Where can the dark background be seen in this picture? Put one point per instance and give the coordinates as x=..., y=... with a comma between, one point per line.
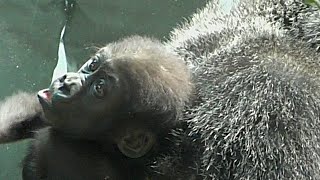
x=29, y=34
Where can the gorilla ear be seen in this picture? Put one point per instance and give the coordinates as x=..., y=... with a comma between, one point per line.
x=136, y=143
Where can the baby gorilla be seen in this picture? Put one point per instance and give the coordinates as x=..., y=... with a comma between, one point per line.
x=103, y=120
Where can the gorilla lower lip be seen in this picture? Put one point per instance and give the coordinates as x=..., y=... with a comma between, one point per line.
x=45, y=94
x=44, y=97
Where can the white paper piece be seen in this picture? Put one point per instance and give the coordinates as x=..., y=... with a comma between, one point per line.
x=62, y=64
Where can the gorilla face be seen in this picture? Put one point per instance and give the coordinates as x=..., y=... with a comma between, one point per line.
x=128, y=94
x=82, y=101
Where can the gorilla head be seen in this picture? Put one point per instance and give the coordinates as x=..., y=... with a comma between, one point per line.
x=127, y=93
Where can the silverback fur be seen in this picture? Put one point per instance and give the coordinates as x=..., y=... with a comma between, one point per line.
x=258, y=104
x=301, y=21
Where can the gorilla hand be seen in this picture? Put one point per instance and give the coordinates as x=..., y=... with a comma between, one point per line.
x=20, y=115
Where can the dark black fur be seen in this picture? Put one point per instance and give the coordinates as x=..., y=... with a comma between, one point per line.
x=146, y=87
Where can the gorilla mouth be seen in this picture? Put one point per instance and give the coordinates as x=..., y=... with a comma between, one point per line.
x=45, y=96
x=50, y=95
x=59, y=91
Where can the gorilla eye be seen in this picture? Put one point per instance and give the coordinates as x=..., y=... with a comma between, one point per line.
x=99, y=88
x=95, y=63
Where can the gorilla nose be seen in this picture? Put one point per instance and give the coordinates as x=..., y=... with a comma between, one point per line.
x=71, y=83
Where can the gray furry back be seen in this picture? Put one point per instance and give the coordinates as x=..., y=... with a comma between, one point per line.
x=259, y=106
x=301, y=21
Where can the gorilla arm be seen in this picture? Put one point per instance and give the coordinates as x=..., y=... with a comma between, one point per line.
x=20, y=115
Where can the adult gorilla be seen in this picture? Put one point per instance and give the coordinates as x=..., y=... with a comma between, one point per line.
x=255, y=114
x=258, y=90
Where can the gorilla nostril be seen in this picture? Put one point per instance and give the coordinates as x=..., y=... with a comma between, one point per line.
x=64, y=88
x=61, y=79
x=70, y=83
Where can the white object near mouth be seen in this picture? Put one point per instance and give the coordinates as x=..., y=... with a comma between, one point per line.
x=62, y=64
